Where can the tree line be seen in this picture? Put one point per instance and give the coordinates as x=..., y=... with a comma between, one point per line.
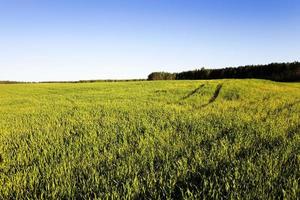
x=285, y=72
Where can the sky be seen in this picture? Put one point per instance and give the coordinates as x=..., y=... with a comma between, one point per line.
x=43, y=40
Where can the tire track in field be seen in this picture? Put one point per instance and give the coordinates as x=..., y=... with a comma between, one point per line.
x=193, y=92
x=215, y=95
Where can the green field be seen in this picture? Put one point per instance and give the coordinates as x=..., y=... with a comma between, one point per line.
x=230, y=139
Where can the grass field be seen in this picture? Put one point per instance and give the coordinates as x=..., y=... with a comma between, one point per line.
x=230, y=139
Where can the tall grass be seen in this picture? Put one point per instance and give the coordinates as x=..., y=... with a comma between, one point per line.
x=145, y=140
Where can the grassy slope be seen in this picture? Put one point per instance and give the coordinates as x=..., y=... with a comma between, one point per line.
x=164, y=139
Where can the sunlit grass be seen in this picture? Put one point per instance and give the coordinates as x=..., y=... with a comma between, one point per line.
x=153, y=140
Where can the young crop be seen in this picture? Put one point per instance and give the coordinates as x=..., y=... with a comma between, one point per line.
x=220, y=139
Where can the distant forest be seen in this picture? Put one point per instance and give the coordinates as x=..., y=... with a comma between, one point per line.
x=285, y=72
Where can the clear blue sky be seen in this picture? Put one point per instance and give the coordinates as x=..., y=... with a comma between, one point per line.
x=93, y=39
